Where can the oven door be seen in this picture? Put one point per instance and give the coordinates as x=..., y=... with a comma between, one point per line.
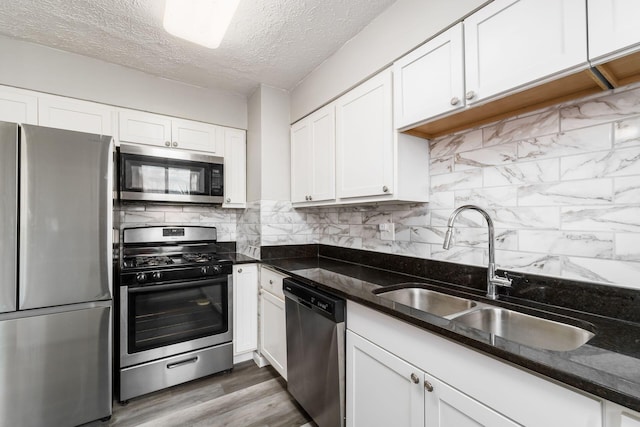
x=161, y=175
x=168, y=319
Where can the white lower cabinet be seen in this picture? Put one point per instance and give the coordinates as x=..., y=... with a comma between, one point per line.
x=401, y=375
x=384, y=390
x=245, y=308
x=273, y=328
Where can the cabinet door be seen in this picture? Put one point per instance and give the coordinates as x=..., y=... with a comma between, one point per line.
x=430, y=80
x=145, y=128
x=273, y=331
x=301, y=160
x=313, y=157
x=235, y=168
x=510, y=43
x=382, y=389
x=18, y=106
x=364, y=139
x=197, y=136
x=445, y=407
x=613, y=26
x=72, y=114
x=245, y=308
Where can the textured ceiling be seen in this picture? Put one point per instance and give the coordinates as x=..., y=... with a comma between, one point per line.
x=275, y=42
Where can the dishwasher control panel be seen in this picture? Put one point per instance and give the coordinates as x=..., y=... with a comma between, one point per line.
x=329, y=305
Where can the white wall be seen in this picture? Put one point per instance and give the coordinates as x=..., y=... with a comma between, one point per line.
x=268, y=149
x=276, y=175
x=398, y=30
x=254, y=147
x=35, y=67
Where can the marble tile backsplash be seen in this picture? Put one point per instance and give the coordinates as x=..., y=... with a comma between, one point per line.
x=561, y=184
x=225, y=220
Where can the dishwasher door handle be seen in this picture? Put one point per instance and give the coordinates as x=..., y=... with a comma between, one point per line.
x=305, y=303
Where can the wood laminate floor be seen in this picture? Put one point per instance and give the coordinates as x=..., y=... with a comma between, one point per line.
x=247, y=397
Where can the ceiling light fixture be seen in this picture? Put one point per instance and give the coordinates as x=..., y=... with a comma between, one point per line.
x=203, y=22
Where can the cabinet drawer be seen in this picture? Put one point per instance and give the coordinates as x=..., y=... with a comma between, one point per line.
x=272, y=282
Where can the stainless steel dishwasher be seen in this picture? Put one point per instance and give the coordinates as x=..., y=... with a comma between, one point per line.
x=315, y=352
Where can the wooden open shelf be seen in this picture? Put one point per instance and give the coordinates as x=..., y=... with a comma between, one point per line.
x=553, y=92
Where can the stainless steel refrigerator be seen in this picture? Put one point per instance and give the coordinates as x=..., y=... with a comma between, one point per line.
x=55, y=276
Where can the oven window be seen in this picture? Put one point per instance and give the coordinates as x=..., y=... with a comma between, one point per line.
x=161, y=318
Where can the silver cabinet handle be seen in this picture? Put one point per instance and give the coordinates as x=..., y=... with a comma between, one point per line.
x=470, y=95
x=228, y=200
x=415, y=379
x=455, y=100
x=167, y=143
x=310, y=198
x=428, y=386
x=385, y=189
x=239, y=270
x=175, y=143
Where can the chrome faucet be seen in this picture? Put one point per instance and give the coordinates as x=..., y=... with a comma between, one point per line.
x=493, y=281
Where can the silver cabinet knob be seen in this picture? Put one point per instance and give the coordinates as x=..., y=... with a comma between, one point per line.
x=167, y=144
x=455, y=100
x=385, y=189
x=428, y=386
x=228, y=200
x=175, y=143
x=470, y=95
x=415, y=379
x=239, y=270
x=310, y=198
x=271, y=282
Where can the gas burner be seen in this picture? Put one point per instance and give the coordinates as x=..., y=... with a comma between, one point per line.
x=197, y=257
x=152, y=261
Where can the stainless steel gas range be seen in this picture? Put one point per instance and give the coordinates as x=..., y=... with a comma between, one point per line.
x=175, y=308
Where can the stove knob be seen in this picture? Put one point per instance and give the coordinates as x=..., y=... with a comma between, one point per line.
x=217, y=269
x=204, y=270
x=141, y=277
x=156, y=275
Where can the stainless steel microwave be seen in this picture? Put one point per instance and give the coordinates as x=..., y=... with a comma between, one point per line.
x=157, y=174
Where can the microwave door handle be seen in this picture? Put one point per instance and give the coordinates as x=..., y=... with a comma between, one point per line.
x=173, y=286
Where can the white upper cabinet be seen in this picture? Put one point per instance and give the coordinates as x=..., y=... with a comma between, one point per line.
x=313, y=157
x=513, y=43
x=235, y=168
x=613, y=27
x=154, y=129
x=195, y=136
x=430, y=80
x=364, y=139
x=18, y=106
x=145, y=128
x=73, y=114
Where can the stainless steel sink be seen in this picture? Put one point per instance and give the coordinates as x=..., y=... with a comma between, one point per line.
x=426, y=300
x=525, y=329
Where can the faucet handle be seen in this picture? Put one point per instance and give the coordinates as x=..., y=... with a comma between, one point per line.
x=502, y=281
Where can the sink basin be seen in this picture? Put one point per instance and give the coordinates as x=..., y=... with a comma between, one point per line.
x=426, y=300
x=525, y=329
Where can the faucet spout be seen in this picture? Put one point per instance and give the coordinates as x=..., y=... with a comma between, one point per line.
x=493, y=281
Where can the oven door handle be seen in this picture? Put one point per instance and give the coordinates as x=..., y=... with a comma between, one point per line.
x=182, y=285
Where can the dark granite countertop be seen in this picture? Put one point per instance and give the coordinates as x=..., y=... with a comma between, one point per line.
x=607, y=366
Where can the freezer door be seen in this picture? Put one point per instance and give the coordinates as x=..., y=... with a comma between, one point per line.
x=65, y=217
x=8, y=215
x=56, y=368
